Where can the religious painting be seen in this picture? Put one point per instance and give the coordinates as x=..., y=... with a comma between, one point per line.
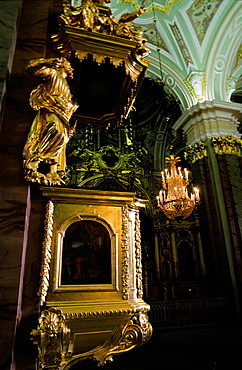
x=86, y=254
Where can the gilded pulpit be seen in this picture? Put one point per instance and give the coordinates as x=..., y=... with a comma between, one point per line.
x=91, y=277
x=90, y=291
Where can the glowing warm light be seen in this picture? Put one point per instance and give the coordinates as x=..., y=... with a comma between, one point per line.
x=174, y=200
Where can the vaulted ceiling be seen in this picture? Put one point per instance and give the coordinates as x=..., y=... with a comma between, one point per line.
x=196, y=43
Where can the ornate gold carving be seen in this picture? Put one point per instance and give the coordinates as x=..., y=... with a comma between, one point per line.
x=125, y=252
x=138, y=255
x=50, y=130
x=227, y=145
x=83, y=41
x=85, y=16
x=116, y=319
x=124, y=27
x=81, y=54
x=221, y=145
x=55, y=340
x=50, y=337
x=135, y=332
x=99, y=58
x=46, y=253
x=196, y=151
x=105, y=313
x=88, y=17
x=91, y=31
x=51, y=321
x=107, y=49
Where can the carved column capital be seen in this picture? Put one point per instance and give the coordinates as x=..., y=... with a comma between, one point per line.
x=209, y=118
x=196, y=151
x=227, y=145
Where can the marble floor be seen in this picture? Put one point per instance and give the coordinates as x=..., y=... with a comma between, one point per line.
x=187, y=348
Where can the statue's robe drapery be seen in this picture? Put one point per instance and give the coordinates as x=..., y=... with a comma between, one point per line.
x=50, y=130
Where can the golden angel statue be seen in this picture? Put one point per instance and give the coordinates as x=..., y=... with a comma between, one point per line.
x=51, y=129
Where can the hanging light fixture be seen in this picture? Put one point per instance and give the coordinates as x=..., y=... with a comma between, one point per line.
x=174, y=200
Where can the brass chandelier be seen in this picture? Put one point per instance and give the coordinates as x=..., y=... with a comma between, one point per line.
x=174, y=199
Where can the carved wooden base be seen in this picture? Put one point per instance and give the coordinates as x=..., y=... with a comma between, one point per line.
x=56, y=341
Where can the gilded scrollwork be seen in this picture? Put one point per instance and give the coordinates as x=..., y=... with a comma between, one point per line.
x=227, y=145
x=135, y=332
x=196, y=151
x=53, y=338
x=138, y=255
x=51, y=129
x=125, y=252
x=46, y=253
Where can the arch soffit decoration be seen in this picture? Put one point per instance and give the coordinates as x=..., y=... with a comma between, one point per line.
x=199, y=43
x=224, y=63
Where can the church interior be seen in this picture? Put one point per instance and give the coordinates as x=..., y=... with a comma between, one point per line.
x=121, y=184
